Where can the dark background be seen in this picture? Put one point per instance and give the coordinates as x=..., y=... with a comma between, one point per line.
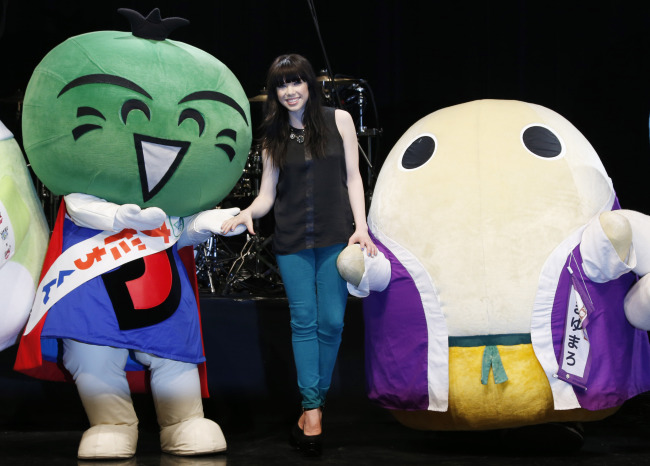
x=588, y=61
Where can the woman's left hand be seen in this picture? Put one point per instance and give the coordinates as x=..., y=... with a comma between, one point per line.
x=363, y=238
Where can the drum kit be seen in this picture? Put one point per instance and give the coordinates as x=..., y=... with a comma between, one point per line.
x=242, y=265
x=354, y=95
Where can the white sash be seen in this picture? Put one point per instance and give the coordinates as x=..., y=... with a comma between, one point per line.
x=97, y=255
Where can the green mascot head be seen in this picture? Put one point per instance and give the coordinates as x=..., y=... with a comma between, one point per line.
x=136, y=118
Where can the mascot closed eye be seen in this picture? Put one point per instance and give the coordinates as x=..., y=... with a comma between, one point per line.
x=143, y=137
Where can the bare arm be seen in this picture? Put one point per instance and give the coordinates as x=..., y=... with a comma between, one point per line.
x=262, y=204
x=355, y=183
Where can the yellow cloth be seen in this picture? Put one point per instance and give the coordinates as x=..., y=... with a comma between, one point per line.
x=524, y=399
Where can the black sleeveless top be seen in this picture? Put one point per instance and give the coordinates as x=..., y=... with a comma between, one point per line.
x=312, y=207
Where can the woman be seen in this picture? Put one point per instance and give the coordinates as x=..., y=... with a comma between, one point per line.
x=311, y=178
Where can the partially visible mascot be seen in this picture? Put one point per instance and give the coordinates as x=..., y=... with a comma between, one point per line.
x=23, y=239
x=507, y=293
x=143, y=136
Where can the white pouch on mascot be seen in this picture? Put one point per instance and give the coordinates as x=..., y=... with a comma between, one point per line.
x=143, y=136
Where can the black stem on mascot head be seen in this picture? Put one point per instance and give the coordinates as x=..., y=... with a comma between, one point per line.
x=153, y=26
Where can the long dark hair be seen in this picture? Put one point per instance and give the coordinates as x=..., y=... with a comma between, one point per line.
x=275, y=125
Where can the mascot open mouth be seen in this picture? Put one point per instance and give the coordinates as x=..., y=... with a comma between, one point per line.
x=158, y=159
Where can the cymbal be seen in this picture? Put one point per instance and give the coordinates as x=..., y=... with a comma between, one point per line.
x=258, y=98
x=325, y=78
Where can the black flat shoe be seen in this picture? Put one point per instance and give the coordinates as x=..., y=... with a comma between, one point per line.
x=308, y=445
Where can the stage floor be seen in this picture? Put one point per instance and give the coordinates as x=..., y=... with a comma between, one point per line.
x=254, y=399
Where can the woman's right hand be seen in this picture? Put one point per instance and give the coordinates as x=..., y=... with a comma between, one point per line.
x=244, y=217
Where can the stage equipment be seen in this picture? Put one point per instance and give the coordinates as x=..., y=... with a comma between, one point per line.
x=49, y=201
x=353, y=95
x=241, y=265
x=13, y=98
x=248, y=185
x=238, y=266
x=261, y=97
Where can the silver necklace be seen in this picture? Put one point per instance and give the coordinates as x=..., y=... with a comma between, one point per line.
x=297, y=135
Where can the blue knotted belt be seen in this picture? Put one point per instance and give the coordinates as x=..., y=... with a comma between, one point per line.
x=491, y=356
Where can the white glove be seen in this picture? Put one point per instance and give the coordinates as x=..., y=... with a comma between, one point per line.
x=132, y=216
x=362, y=272
x=207, y=223
x=90, y=211
x=606, y=247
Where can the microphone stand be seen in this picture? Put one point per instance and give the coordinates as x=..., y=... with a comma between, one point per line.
x=330, y=74
x=363, y=130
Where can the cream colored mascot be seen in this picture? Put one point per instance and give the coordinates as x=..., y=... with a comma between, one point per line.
x=506, y=290
x=23, y=239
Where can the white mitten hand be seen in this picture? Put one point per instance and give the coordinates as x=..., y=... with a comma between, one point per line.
x=637, y=304
x=93, y=212
x=606, y=247
x=209, y=221
x=362, y=272
x=350, y=264
x=132, y=216
x=204, y=224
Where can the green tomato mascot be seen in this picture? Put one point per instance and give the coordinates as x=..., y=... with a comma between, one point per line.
x=142, y=136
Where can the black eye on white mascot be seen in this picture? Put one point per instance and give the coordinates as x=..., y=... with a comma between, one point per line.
x=512, y=289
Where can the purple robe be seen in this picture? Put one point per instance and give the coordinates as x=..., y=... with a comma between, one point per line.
x=397, y=346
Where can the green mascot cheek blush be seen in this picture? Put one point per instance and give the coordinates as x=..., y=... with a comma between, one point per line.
x=137, y=119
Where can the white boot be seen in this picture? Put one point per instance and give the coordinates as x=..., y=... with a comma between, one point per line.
x=176, y=392
x=196, y=436
x=108, y=441
x=98, y=372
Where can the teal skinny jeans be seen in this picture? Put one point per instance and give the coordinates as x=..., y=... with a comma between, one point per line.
x=317, y=298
